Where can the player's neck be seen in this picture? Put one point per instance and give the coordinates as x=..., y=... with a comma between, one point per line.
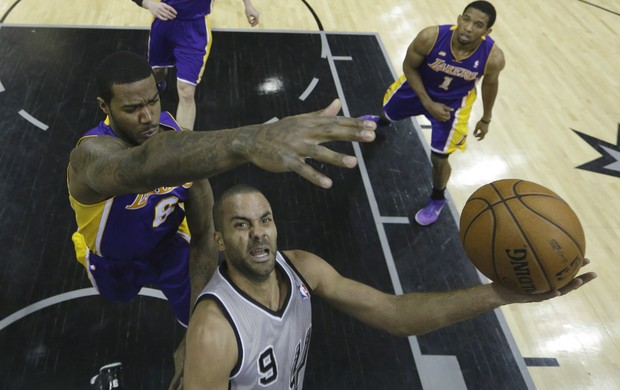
x=270, y=292
x=461, y=51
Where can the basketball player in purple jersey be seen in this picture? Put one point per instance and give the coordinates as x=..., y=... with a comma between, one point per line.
x=181, y=36
x=139, y=185
x=441, y=69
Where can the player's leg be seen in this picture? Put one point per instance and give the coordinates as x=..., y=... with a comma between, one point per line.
x=160, y=79
x=175, y=284
x=446, y=137
x=441, y=171
x=192, y=47
x=186, y=110
x=399, y=102
x=172, y=260
x=114, y=280
x=159, y=52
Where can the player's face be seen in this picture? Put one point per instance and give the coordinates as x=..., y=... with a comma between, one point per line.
x=248, y=236
x=472, y=26
x=134, y=110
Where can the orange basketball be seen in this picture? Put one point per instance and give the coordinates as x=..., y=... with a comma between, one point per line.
x=522, y=235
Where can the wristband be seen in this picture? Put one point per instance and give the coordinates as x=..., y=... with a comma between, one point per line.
x=139, y=2
x=485, y=122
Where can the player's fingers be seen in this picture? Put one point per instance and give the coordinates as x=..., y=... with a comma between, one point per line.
x=352, y=129
x=326, y=155
x=167, y=13
x=333, y=109
x=312, y=175
x=169, y=9
x=578, y=282
x=334, y=128
x=588, y=277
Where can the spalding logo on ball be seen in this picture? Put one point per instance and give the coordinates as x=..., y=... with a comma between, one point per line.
x=522, y=235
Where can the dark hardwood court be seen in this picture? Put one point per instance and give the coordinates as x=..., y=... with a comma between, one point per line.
x=55, y=332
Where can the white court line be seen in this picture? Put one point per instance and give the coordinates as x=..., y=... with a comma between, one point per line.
x=2, y=87
x=435, y=372
x=309, y=90
x=525, y=374
x=85, y=292
x=403, y=220
x=33, y=120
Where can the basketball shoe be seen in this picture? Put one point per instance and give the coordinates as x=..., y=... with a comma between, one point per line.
x=110, y=377
x=430, y=212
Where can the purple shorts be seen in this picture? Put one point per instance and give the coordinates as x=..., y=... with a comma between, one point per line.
x=400, y=102
x=166, y=267
x=181, y=43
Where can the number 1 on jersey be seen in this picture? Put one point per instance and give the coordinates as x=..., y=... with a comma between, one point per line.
x=446, y=83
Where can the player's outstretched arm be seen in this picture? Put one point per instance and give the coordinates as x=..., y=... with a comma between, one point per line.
x=283, y=146
x=412, y=313
x=108, y=167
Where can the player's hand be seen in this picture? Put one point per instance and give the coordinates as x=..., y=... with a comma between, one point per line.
x=512, y=296
x=283, y=146
x=160, y=9
x=481, y=130
x=252, y=14
x=439, y=111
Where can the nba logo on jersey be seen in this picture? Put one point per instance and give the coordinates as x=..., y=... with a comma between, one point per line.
x=476, y=64
x=305, y=294
x=442, y=53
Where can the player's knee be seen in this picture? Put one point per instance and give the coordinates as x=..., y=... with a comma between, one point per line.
x=439, y=156
x=186, y=91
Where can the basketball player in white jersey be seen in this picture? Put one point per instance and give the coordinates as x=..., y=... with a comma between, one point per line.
x=251, y=324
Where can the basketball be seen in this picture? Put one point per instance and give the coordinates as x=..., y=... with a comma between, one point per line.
x=522, y=235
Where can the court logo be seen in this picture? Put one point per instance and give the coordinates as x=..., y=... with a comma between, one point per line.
x=609, y=162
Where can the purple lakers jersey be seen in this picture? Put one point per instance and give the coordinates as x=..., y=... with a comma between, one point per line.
x=190, y=9
x=444, y=77
x=132, y=225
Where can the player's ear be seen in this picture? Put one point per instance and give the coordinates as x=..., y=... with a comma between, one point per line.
x=103, y=105
x=219, y=241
